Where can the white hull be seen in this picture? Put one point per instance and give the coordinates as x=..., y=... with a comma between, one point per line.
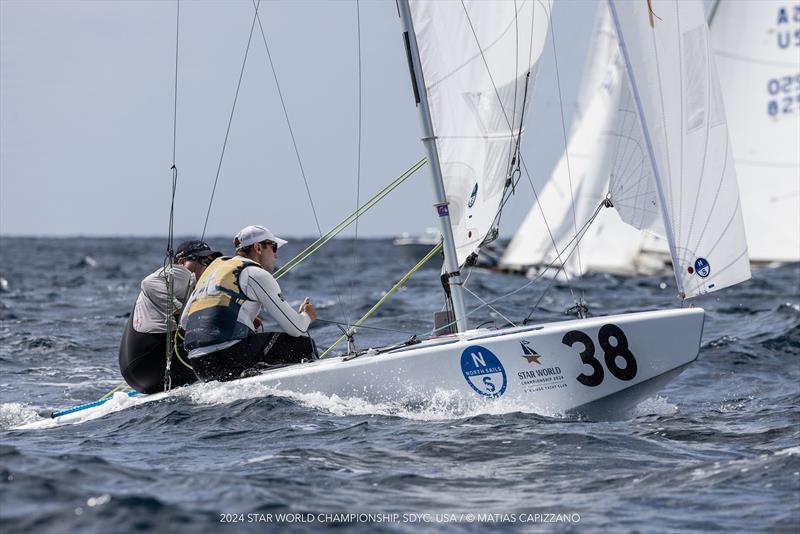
x=535, y=368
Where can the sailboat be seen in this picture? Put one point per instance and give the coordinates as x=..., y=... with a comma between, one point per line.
x=757, y=50
x=754, y=53
x=579, y=182
x=471, y=66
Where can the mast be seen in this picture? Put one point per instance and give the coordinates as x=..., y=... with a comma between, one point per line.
x=429, y=140
x=662, y=198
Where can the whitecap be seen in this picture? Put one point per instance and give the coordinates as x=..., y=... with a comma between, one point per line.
x=13, y=414
x=657, y=405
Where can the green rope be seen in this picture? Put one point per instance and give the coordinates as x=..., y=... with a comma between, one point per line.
x=170, y=283
x=313, y=247
x=383, y=299
x=120, y=387
x=178, y=352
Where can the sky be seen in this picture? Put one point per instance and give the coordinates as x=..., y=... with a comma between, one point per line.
x=86, y=116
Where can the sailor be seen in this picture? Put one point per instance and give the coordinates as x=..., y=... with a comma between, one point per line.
x=142, y=352
x=221, y=318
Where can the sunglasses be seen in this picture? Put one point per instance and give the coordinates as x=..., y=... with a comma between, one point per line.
x=202, y=260
x=273, y=246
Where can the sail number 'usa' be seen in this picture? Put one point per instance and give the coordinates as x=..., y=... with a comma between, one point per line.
x=610, y=352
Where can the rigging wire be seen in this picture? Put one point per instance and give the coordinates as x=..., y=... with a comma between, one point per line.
x=486, y=66
x=230, y=120
x=169, y=258
x=558, y=252
x=577, y=239
x=358, y=158
x=297, y=154
x=512, y=154
x=512, y=182
x=564, y=130
x=489, y=306
x=368, y=327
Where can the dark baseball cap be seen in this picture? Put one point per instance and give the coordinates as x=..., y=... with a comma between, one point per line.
x=196, y=248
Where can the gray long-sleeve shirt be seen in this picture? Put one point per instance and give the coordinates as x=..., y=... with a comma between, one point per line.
x=150, y=312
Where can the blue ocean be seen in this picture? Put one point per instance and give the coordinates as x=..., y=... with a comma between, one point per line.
x=718, y=450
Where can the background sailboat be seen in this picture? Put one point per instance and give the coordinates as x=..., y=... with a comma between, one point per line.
x=752, y=47
x=580, y=179
x=757, y=51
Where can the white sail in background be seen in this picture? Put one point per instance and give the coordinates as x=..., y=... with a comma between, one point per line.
x=580, y=180
x=676, y=90
x=475, y=59
x=757, y=50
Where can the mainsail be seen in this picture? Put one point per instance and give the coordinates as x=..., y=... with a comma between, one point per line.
x=676, y=92
x=475, y=58
x=757, y=49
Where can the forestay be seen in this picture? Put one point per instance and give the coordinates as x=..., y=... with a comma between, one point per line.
x=475, y=59
x=757, y=49
x=676, y=92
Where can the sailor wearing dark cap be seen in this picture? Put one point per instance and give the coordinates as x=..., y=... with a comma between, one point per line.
x=225, y=336
x=142, y=352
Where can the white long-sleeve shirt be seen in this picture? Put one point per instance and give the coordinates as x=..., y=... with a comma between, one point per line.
x=260, y=286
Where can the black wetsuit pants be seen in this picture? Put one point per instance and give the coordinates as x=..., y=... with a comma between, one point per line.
x=142, y=361
x=253, y=354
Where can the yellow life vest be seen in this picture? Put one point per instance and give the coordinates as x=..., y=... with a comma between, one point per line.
x=213, y=313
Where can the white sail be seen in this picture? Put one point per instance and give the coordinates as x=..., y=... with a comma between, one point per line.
x=475, y=59
x=580, y=180
x=757, y=49
x=677, y=97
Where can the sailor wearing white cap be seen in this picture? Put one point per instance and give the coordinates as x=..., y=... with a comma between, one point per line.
x=222, y=315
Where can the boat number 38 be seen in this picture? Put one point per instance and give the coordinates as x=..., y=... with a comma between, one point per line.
x=611, y=354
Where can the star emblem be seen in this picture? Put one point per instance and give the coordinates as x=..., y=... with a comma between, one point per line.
x=529, y=354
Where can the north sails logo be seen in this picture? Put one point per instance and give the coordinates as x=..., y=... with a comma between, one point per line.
x=528, y=353
x=702, y=267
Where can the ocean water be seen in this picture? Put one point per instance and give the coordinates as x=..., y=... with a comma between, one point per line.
x=716, y=450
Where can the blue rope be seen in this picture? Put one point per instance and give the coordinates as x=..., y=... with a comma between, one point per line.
x=88, y=405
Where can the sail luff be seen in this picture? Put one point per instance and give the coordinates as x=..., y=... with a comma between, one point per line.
x=670, y=234
x=442, y=204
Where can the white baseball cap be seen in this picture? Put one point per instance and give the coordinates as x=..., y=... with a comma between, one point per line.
x=250, y=235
